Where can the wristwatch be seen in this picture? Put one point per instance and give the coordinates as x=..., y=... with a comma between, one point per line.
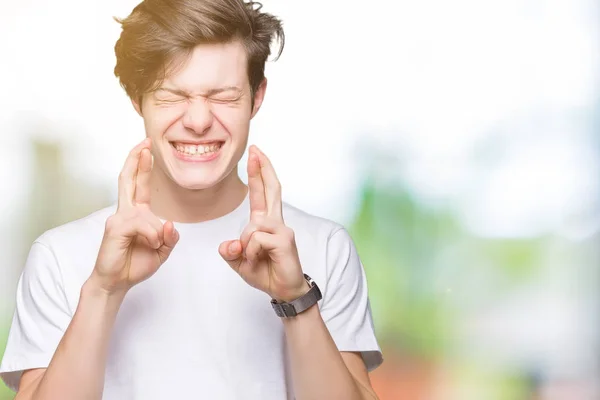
x=302, y=303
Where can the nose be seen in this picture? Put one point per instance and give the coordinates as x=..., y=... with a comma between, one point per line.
x=198, y=117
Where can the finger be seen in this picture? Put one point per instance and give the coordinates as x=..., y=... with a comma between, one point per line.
x=247, y=233
x=151, y=234
x=231, y=251
x=259, y=242
x=171, y=238
x=256, y=188
x=260, y=223
x=145, y=230
x=129, y=228
x=142, y=181
x=153, y=220
x=128, y=174
x=272, y=186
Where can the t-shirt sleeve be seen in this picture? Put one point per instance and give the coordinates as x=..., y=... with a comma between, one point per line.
x=41, y=316
x=345, y=306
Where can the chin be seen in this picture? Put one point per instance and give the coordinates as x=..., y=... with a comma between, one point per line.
x=195, y=183
x=200, y=178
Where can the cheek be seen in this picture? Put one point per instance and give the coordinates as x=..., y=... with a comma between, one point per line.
x=235, y=120
x=157, y=120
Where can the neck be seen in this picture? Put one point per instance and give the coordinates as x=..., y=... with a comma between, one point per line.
x=173, y=203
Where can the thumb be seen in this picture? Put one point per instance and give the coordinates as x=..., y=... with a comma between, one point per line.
x=171, y=238
x=231, y=251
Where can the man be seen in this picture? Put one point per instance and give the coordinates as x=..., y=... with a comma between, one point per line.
x=136, y=301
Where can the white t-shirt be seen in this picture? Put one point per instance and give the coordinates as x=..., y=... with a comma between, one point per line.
x=195, y=327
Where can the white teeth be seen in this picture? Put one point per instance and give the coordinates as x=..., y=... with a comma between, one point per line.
x=197, y=150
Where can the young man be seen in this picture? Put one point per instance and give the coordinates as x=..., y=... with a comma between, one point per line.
x=194, y=285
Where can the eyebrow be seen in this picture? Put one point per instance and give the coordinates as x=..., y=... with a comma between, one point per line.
x=212, y=92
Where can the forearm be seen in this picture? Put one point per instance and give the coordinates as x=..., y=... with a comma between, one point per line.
x=77, y=368
x=318, y=370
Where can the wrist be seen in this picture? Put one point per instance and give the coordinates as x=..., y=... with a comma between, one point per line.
x=302, y=301
x=92, y=288
x=295, y=293
x=98, y=307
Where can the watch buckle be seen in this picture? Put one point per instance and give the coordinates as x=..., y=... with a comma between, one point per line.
x=284, y=309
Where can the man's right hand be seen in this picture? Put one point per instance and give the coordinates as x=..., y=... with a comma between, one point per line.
x=135, y=243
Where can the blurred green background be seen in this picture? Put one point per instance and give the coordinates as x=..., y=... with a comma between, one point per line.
x=459, y=143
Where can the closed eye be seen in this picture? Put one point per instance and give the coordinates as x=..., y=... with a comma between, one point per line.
x=225, y=99
x=169, y=96
x=171, y=100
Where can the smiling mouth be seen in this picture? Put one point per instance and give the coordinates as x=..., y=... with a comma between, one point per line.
x=197, y=150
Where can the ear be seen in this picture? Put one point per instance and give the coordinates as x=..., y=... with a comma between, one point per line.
x=137, y=106
x=259, y=96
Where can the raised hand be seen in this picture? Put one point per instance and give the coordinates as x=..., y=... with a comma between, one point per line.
x=266, y=256
x=135, y=243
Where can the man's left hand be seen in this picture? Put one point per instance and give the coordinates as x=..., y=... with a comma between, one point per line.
x=265, y=255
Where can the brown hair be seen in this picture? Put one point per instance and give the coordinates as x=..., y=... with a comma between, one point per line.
x=159, y=32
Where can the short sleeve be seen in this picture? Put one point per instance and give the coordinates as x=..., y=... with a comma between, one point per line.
x=345, y=306
x=41, y=317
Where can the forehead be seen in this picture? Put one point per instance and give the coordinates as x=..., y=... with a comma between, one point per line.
x=210, y=66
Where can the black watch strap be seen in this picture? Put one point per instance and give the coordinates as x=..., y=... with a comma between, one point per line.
x=302, y=303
